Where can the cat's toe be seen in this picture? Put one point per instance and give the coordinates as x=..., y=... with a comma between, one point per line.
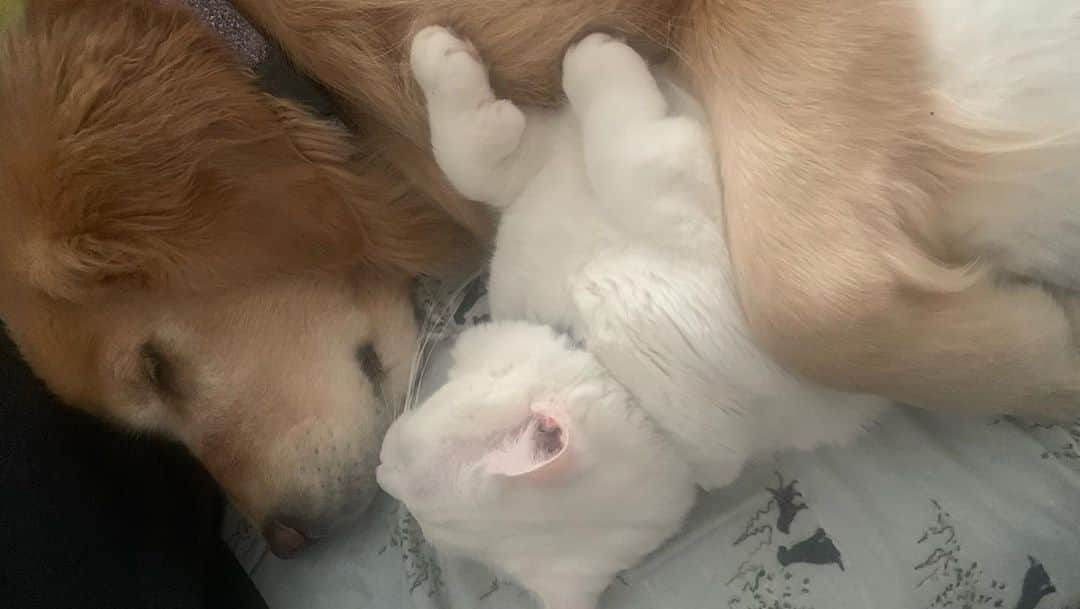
x=440, y=61
x=508, y=120
x=592, y=42
x=595, y=59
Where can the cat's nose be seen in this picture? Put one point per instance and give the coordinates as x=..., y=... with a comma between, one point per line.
x=393, y=445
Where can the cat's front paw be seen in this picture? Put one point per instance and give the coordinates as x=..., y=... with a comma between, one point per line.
x=448, y=67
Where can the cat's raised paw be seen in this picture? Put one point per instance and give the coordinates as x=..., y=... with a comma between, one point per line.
x=444, y=64
x=596, y=63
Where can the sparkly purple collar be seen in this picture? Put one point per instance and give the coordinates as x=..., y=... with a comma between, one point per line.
x=234, y=28
x=275, y=73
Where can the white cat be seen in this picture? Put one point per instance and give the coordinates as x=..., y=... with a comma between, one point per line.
x=532, y=458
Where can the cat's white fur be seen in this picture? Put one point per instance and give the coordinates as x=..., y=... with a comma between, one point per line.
x=605, y=234
x=1015, y=66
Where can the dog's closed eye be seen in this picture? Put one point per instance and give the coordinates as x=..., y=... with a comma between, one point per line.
x=371, y=365
x=160, y=371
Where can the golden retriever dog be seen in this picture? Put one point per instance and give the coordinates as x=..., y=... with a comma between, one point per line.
x=181, y=253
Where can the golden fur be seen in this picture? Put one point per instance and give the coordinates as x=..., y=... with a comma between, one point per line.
x=111, y=204
x=836, y=160
x=158, y=217
x=357, y=49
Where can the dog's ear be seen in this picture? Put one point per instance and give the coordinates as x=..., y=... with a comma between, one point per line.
x=297, y=200
x=396, y=225
x=174, y=170
x=191, y=211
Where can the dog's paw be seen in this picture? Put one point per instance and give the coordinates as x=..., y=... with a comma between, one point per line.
x=600, y=62
x=447, y=66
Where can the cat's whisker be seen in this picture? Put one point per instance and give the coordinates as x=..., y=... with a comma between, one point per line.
x=436, y=328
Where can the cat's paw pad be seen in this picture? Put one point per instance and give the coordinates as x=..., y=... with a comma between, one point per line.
x=444, y=64
x=596, y=60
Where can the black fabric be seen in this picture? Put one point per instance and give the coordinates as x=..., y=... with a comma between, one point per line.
x=95, y=518
x=278, y=77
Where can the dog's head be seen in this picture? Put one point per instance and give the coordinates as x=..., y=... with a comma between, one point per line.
x=283, y=390
x=159, y=216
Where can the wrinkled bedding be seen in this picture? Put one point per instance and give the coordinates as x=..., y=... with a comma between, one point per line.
x=924, y=512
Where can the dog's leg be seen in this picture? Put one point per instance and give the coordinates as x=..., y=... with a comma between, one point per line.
x=834, y=160
x=477, y=139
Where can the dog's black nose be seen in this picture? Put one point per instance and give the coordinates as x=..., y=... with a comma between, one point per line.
x=285, y=541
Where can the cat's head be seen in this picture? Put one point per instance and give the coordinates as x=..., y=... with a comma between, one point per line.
x=533, y=460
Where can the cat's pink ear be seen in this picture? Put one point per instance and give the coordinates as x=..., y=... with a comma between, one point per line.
x=541, y=451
